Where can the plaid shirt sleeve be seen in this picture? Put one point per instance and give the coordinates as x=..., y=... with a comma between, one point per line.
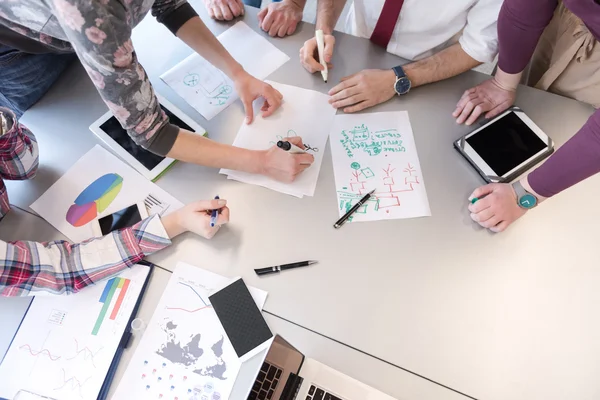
x=18, y=159
x=27, y=268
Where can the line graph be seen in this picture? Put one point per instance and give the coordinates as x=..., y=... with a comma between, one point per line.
x=87, y=353
x=72, y=383
x=206, y=305
x=36, y=353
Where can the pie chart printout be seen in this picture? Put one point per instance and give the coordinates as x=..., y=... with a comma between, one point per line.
x=94, y=199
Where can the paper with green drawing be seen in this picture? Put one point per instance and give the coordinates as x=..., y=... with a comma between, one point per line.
x=377, y=151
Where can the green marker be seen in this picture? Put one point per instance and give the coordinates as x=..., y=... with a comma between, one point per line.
x=474, y=200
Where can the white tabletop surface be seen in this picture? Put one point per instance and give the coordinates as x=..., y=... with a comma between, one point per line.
x=508, y=316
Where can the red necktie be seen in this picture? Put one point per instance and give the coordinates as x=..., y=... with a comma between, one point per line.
x=386, y=23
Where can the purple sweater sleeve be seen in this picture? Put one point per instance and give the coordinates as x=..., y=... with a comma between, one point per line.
x=575, y=161
x=520, y=25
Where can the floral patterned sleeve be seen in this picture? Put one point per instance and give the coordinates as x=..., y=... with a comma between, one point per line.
x=100, y=33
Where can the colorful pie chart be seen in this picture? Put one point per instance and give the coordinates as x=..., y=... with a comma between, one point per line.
x=94, y=199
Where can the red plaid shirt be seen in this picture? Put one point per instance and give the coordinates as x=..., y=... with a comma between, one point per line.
x=61, y=267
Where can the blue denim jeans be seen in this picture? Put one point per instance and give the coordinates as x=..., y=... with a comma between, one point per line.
x=256, y=3
x=25, y=78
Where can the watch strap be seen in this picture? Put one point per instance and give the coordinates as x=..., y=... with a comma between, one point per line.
x=519, y=189
x=399, y=71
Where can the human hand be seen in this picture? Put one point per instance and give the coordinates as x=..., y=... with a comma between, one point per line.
x=249, y=89
x=489, y=97
x=284, y=166
x=280, y=19
x=496, y=207
x=309, y=56
x=364, y=89
x=224, y=9
x=195, y=217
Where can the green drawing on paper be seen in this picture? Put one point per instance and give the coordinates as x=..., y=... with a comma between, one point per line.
x=191, y=79
x=372, y=143
x=367, y=172
x=222, y=96
x=355, y=165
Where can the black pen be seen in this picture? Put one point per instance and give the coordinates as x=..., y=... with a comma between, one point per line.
x=283, y=267
x=362, y=201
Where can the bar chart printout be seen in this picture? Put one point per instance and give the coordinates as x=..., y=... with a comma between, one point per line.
x=112, y=297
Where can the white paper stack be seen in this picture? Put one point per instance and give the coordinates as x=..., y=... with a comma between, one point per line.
x=209, y=90
x=303, y=113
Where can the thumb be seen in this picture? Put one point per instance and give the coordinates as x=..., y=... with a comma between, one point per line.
x=482, y=191
x=207, y=205
x=249, y=110
x=328, y=50
x=261, y=15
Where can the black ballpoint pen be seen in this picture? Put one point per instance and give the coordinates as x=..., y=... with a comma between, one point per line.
x=283, y=267
x=362, y=201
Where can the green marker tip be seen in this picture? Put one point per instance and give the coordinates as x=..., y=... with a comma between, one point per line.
x=474, y=200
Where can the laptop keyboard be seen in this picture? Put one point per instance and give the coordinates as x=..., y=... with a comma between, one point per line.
x=314, y=393
x=266, y=382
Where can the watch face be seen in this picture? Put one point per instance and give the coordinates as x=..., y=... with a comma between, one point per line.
x=402, y=85
x=527, y=201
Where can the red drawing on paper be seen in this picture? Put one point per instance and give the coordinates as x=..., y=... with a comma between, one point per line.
x=87, y=353
x=43, y=352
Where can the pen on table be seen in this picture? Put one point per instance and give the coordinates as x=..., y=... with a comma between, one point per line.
x=278, y=268
x=321, y=49
x=362, y=201
x=214, y=215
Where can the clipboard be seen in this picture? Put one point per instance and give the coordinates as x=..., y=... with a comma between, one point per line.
x=123, y=343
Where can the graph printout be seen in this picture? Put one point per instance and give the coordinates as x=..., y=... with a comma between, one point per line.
x=65, y=344
x=184, y=353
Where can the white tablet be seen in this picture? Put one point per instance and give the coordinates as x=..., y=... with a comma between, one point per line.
x=151, y=165
x=505, y=147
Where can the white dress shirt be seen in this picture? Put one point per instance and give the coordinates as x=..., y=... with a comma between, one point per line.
x=425, y=27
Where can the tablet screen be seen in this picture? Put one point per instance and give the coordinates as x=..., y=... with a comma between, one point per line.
x=121, y=219
x=506, y=143
x=113, y=128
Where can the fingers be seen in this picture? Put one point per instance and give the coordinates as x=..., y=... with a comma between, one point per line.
x=236, y=8
x=209, y=205
x=304, y=160
x=477, y=111
x=348, y=101
x=344, y=84
x=307, y=56
x=282, y=31
x=223, y=216
x=466, y=112
x=344, y=94
x=261, y=16
x=292, y=27
x=268, y=21
x=328, y=49
x=482, y=191
x=296, y=141
x=483, y=215
x=211, y=12
x=272, y=102
x=501, y=227
x=218, y=14
x=227, y=15
x=248, y=109
x=359, y=107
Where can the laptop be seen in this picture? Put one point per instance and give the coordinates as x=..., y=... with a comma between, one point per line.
x=286, y=374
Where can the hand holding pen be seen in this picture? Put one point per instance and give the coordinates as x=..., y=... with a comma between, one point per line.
x=197, y=217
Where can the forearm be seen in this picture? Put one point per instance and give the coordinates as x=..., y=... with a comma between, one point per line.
x=190, y=147
x=61, y=267
x=328, y=13
x=576, y=160
x=196, y=35
x=445, y=64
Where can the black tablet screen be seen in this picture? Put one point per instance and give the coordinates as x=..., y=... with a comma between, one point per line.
x=506, y=143
x=125, y=218
x=113, y=128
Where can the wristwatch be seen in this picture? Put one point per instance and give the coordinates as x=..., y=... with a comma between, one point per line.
x=402, y=84
x=524, y=199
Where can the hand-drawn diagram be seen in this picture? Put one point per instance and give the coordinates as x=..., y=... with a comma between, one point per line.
x=203, y=307
x=361, y=139
x=292, y=133
x=382, y=200
x=86, y=352
x=211, y=84
x=72, y=383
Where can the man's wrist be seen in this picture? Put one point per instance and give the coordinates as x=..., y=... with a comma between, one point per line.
x=300, y=4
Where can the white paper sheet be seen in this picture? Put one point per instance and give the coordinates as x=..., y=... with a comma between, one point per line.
x=184, y=352
x=58, y=352
x=209, y=90
x=303, y=113
x=57, y=204
x=377, y=151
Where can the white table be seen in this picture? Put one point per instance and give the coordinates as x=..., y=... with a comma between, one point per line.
x=509, y=316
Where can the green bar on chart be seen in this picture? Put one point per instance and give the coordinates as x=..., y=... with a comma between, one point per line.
x=105, y=306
